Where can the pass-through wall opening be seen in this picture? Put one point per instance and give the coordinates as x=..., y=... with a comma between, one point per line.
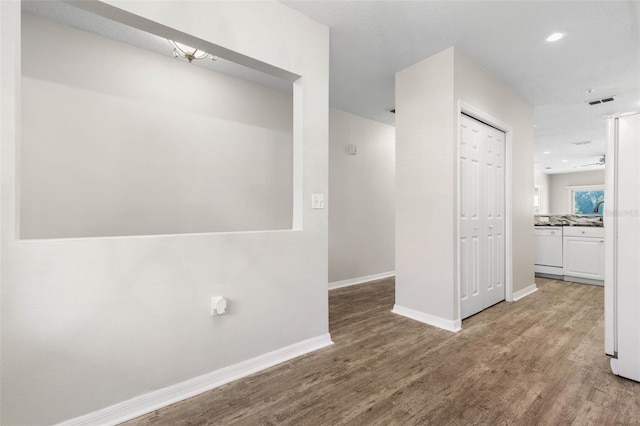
x=120, y=138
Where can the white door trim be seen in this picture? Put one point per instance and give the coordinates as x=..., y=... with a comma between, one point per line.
x=480, y=115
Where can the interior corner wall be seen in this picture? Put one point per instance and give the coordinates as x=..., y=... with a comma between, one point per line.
x=425, y=186
x=542, y=180
x=89, y=323
x=362, y=198
x=559, y=197
x=427, y=96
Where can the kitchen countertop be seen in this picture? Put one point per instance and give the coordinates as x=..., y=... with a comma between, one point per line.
x=592, y=225
x=569, y=220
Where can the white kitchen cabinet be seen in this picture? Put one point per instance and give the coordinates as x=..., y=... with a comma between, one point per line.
x=583, y=254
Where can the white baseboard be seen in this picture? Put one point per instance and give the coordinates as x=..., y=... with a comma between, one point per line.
x=361, y=280
x=525, y=292
x=144, y=404
x=445, y=324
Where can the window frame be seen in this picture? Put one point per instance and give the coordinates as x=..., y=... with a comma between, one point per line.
x=583, y=188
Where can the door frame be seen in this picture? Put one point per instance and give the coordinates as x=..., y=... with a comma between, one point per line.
x=480, y=115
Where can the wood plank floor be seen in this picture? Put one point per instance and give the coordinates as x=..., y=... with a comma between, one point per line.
x=536, y=361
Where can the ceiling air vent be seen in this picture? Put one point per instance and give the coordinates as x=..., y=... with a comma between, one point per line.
x=601, y=101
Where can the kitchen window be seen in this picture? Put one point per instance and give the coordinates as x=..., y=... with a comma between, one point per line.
x=587, y=199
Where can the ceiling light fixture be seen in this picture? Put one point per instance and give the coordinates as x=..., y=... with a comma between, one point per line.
x=547, y=152
x=189, y=53
x=555, y=37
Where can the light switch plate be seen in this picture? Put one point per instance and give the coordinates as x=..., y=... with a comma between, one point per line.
x=317, y=201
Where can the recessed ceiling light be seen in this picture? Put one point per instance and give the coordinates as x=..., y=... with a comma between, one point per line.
x=555, y=37
x=565, y=161
x=547, y=152
x=588, y=92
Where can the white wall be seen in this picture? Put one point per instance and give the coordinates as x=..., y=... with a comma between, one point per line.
x=362, y=201
x=91, y=322
x=427, y=96
x=147, y=145
x=425, y=186
x=560, y=202
x=542, y=180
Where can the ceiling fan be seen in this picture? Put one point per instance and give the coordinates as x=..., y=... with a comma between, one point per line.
x=600, y=162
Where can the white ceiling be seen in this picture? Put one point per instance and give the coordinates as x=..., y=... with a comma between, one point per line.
x=372, y=40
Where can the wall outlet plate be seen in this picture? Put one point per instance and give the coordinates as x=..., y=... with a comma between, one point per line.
x=317, y=201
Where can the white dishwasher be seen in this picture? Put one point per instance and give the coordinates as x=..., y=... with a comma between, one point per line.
x=548, y=251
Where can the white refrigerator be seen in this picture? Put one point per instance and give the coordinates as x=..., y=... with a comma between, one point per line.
x=622, y=245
